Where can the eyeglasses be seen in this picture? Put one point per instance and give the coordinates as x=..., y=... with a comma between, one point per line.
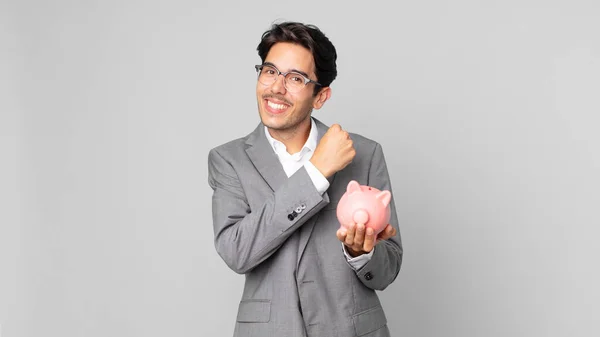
x=293, y=80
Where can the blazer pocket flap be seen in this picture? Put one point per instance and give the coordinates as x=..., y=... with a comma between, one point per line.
x=369, y=320
x=254, y=311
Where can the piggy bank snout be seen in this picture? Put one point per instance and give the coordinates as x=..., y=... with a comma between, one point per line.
x=360, y=216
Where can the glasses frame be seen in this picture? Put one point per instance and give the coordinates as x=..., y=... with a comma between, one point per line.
x=307, y=80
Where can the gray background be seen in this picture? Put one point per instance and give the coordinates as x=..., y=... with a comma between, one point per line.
x=487, y=113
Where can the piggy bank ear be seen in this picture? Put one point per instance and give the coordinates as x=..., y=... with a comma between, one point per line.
x=353, y=186
x=384, y=197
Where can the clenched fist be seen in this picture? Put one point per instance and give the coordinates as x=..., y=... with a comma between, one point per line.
x=334, y=152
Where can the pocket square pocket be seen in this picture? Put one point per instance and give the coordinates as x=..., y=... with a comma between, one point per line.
x=369, y=320
x=254, y=311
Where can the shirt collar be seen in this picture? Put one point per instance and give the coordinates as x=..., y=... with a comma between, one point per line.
x=311, y=142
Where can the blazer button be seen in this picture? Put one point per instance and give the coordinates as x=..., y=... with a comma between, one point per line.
x=290, y=217
x=303, y=206
x=298, y=210
x=294, y=214
x=368, y=276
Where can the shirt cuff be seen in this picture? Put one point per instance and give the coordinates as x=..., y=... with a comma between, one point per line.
x=358, y=262
x=321, y=183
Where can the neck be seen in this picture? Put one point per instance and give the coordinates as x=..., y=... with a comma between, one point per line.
x=293, y=138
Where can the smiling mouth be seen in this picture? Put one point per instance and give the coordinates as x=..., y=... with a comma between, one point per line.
x=276, y=107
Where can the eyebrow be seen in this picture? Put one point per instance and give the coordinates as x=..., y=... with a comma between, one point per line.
x=294, y=70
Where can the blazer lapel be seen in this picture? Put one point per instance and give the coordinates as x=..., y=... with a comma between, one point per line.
x=264, y=158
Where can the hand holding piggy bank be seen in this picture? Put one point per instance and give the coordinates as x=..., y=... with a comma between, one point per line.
x=366, y=205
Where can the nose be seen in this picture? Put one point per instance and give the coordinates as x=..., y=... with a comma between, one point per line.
x=279, y=85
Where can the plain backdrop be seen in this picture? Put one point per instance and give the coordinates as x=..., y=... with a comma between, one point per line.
x=487, y=112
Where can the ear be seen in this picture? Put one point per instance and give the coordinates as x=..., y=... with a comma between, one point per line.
x=353, y=186
x=322, y=97
x=384, y=197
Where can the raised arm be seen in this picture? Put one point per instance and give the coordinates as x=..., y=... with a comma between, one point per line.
x=245, y=237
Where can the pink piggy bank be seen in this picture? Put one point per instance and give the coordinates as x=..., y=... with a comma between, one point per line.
x=366, y=205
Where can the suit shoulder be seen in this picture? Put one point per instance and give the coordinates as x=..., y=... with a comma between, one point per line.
x=228, y=151
x=235, y=145
x=230, y=145
x=363, y=143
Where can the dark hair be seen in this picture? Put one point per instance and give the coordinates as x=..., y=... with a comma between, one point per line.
x=311, y=38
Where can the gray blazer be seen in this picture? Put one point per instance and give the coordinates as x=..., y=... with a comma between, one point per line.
x=281, y=234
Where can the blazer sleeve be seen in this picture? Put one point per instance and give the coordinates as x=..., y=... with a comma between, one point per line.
x=245, y=237
x=384, y=266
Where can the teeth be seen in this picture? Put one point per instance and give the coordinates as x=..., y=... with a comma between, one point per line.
x=276, y=106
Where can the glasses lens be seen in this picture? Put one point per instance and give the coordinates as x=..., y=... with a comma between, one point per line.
x=267, y=75
x=294, y=82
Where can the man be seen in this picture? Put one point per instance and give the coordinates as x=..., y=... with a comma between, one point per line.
x=274, y=204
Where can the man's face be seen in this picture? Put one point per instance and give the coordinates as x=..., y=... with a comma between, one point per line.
x=280, y=109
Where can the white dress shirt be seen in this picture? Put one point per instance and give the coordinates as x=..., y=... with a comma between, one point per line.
x=292, y=162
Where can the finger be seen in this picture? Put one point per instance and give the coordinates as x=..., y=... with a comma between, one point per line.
x=350, y=235
x=359, y=236
x=387, y=233
x=335, y=127
x=341, y=234
x=369, y=240
x=391, y=231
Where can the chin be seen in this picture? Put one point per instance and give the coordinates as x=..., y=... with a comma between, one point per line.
x=273, y=122
x=273, y=126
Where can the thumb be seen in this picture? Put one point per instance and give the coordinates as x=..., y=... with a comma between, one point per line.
x=335, y=127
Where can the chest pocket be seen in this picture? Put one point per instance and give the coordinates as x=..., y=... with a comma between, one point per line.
x=254, y=311
x=369, y=321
